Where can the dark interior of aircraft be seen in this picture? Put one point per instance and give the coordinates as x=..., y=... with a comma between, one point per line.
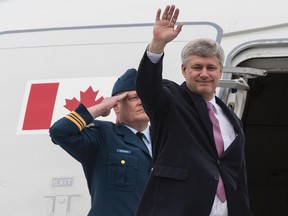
x=265, y=121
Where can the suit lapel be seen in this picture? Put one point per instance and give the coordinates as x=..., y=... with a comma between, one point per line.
x=234, y=120
x=229, y=113
x=201, y=108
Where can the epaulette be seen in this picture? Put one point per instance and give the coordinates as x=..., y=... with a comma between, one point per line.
x=90, y=125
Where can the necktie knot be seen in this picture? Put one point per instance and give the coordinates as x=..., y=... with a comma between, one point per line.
x=140, y=136
x=210, y=106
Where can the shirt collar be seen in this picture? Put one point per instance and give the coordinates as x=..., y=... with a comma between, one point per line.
x=146, y=132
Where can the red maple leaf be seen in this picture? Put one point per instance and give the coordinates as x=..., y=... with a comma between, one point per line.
x=87, y=98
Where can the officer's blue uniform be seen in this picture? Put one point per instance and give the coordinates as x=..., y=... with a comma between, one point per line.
x=115, y=161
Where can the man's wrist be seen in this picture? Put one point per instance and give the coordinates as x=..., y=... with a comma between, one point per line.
x=154, y=57
x=156, y=48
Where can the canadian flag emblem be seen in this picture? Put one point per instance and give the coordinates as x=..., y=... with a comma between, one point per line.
x=45, y=101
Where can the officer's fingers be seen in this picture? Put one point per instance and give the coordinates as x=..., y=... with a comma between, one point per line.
x=121, y=96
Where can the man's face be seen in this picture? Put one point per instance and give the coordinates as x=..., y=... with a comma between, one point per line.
x=129, y=111
x=202, y=75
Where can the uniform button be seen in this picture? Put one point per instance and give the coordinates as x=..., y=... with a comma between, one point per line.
x=123, y=162
x=216, y=178
x=152, y=169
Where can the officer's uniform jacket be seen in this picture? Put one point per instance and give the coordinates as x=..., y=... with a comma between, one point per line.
x=115, y=161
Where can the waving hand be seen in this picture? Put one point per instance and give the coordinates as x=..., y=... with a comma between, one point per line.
x=164, y=29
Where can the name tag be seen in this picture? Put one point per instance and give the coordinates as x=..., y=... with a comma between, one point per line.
x=124, y=151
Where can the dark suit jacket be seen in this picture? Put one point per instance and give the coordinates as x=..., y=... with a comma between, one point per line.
x=187, y=167
x=115, y=161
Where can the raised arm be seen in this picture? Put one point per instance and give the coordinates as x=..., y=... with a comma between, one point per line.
x=164, y=29
x=104, y=108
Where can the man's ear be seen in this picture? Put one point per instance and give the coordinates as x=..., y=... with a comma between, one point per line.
x=221, y=72
x=183, y=68
x=116, y=108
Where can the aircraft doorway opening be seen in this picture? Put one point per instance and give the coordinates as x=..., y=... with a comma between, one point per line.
x=265, y=120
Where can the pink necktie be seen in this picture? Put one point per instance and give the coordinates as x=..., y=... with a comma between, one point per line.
x=219, y=145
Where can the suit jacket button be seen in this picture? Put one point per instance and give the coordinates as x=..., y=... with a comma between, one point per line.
x=216, y=178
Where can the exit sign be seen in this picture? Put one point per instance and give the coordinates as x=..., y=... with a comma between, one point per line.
x=62, y=182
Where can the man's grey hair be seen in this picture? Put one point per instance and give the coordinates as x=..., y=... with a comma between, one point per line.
x=203, y=47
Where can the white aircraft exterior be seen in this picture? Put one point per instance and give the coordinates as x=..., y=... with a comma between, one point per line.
x=48, y=67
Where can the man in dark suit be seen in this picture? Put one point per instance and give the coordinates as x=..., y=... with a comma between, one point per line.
x=115, y=161
x=198, y=154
